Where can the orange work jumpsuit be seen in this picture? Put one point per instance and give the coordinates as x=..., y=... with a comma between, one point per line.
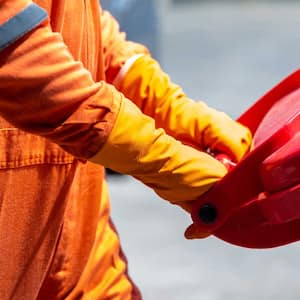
x=56, y=237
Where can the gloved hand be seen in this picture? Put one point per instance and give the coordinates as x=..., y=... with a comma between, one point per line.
x=176, y=172
x=193, y=123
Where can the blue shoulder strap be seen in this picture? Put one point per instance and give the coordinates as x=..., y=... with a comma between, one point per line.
x=20, y=24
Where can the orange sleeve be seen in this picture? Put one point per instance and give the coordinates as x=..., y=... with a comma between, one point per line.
x=117, y=50
x=9, y=8
x=45, y=92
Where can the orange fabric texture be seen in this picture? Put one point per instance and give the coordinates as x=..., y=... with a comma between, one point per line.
x=11, y=8
x=55, y=232
x=56, y=239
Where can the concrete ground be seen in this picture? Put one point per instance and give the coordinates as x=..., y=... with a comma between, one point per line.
x=228, y=54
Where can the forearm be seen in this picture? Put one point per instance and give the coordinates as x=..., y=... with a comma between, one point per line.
x=191, y=122
x=157, y=96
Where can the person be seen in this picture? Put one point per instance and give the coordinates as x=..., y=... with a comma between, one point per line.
x=75, y=97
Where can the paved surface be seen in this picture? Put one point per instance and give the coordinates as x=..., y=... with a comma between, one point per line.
x=229, y=55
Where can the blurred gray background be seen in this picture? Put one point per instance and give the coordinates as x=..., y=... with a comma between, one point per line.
x=228, y=54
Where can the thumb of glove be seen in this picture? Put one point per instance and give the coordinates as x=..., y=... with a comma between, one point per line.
x=192, y=232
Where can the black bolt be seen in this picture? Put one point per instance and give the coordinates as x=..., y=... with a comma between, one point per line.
x=208, y=213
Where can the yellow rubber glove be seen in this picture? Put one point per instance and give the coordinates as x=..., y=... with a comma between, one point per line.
x=176, y=172
x=193, y=123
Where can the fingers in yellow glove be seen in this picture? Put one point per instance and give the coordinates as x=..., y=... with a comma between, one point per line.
x=225, y=135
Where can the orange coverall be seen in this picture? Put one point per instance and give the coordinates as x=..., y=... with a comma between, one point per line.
x=62, y=119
